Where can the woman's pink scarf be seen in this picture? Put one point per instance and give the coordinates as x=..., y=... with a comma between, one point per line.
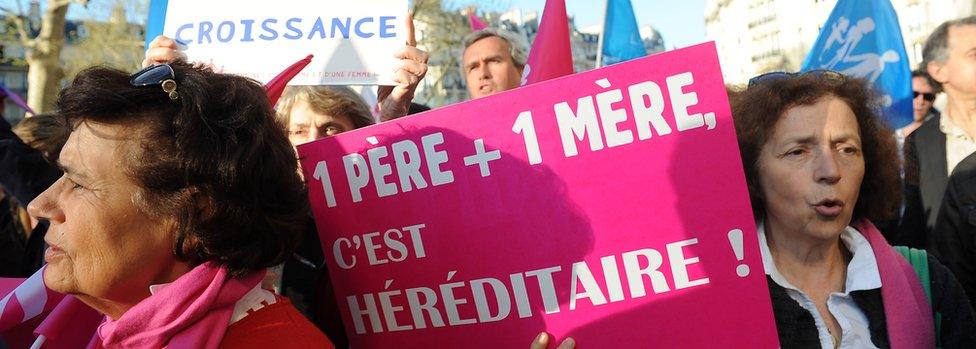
x=192, y=312
x=907, y=310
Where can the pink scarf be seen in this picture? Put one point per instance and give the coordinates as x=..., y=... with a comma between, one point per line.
x=907, y=309
x=192, y=312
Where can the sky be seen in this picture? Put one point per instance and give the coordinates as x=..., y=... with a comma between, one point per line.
x=681, y=23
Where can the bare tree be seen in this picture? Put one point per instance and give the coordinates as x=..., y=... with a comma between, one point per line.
x=43, y=52
x=441, y=33
x=111, y=42
x=442, y=26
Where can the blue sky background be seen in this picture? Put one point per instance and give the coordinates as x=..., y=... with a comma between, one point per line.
x=681, y=23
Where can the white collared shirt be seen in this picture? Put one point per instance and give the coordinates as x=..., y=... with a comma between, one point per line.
x=862, y=274
x=958, y=144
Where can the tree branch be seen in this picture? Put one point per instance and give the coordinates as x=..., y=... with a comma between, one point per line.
x=52, y=5
x=52, y=23
x=21, y=26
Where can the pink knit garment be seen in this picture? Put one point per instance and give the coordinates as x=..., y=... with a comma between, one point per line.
x=907, y=310
x=192, y=312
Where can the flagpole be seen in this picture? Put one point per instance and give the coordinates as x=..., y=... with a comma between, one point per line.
x=603, y=30
x=39, y=343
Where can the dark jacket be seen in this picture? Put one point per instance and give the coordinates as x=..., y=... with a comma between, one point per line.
x=305, y=280
x=926, y=174
x=797, y=329
x=955, y=228
x=25, y=174
x=23, y=170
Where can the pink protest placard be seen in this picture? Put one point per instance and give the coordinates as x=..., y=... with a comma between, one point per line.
x=609, y=206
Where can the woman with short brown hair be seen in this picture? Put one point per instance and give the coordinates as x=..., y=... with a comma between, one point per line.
x=179, y=191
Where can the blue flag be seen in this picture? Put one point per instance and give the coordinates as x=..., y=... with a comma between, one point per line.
x=621, y=37
x=862, y=38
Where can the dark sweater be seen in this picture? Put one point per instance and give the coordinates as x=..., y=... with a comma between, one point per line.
x=797, y=329
x=25, y=174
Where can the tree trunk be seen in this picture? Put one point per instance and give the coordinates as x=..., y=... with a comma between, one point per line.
x=44, y=59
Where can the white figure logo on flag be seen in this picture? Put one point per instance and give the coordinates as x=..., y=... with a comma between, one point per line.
x=844, y=40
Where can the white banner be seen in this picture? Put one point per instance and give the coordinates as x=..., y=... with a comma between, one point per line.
x=353, y=43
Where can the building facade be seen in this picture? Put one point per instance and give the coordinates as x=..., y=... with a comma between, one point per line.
x=113, y=41
x=758, y=36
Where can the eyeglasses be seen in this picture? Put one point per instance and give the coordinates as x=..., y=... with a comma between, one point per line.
x=829, y=75
x=162, y=75
x=928, y=96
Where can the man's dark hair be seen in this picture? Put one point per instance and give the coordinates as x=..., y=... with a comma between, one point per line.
x=920, y=73
x=214, y=159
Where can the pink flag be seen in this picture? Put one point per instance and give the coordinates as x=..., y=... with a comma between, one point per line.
x=68, y=325
x=551, y=55
x=476, y=24
x=30, y=308
x=276, y=86
x=29, y=300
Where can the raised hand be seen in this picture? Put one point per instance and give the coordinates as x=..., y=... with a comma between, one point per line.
x=162, y=50
x=394, y=101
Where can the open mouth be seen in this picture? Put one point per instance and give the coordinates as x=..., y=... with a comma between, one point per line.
x=829, y=207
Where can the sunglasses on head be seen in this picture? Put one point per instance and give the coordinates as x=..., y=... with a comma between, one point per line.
x=830, y=75
x=928, y=96
x=162, y=75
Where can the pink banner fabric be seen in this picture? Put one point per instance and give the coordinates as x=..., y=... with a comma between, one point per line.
x=27, y=301
x=610, y=206
x=551, y=55
x=276, y=86
x=476, y=24
x=907, y=311
x=70, y=324
x=31, y=309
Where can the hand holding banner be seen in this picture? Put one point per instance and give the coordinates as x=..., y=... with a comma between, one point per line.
x=609, y=206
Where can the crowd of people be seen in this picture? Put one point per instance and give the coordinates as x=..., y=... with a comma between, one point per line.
x=179, y=213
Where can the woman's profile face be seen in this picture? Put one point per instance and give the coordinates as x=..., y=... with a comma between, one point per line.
x=810, y=170
x=100, y=244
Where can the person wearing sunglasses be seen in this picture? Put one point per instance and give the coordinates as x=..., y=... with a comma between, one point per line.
x=924, y=91
x=179, y=191
x=950, y=56
x=934, y=150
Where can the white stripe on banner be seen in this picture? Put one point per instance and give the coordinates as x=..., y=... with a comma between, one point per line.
x=32, y=295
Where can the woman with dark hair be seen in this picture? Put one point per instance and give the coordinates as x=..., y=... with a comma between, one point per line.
x=179, y=191
x=820, y=167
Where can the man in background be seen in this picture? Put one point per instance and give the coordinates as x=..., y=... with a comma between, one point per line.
x=492, y=61
x=939, y=144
